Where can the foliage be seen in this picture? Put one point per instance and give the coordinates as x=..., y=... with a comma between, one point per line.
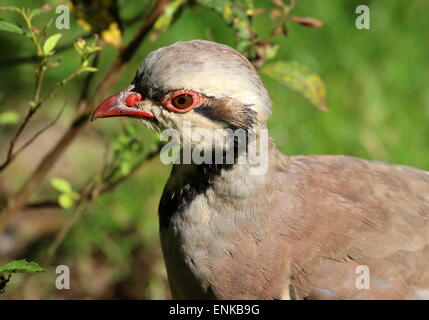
x=127, y=151
x=240, y=15
x=20, y=266
x=17, y=266
x=67, y=196
x=299, y=78
x=167, y=18
x=44, y=45
x=101, y=17
x=110, y=175
x=9, y=117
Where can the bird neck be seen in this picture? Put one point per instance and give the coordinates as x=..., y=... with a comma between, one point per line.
x=225, y=151
x=251, y=165
x=196, y=185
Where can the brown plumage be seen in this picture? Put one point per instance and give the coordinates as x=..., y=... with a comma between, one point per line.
x=302, y=230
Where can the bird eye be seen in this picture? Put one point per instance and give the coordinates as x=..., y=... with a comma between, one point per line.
x=182, y=101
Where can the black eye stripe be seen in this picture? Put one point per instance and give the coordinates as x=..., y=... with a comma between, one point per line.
x=240, y=117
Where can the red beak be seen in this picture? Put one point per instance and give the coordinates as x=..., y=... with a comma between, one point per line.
x=114, y=106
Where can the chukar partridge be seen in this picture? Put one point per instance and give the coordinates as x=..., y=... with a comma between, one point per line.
x=308, y=227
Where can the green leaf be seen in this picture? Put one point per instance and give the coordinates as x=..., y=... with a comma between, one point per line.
x=89, y=69
x=9, y=117
x=80, y=45
x=86, y=49
x=65, y=201
x=50, y=44
x=125, y=167
x=20, y=266
x=300, y=79
x=61, y=185
x=10, y=27
x=164, y=21
x=9, y=8
x=92, y=49
x=236, y=15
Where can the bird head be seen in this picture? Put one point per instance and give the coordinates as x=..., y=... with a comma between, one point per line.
x=208, y=85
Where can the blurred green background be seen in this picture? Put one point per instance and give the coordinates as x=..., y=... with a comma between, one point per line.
x=377, y=91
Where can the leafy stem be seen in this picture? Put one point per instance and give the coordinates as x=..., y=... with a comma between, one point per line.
x=26, y=15
x=40, y=72
x=86, y=51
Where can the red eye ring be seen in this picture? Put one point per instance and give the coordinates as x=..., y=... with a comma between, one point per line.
x=169, y=98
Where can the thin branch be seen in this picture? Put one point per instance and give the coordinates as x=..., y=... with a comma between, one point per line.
x=74, y=216
x=38, y=133
x=90, y=77
x=43, y=205
x=19, y=199
x=13, y=141
x=102, y=187
x=111, y=186
x=87, y=195
x=128, y=52
x=27, y=19
x=33, y=108
x=34, y=58
x=39, y=81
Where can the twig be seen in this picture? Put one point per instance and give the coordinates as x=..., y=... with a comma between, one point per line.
x=43, y=205
x=74, y=216
x=88, y=80
x=122, y=178
x=88, y=194
x=291, y=5
x=103, y=188
x=36, y=135
x=128, y=52
x=34, y=107
x=10, y=152
x=34, y=58
x=18, y=200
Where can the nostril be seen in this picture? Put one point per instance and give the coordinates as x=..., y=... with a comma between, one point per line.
x=133, y=99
